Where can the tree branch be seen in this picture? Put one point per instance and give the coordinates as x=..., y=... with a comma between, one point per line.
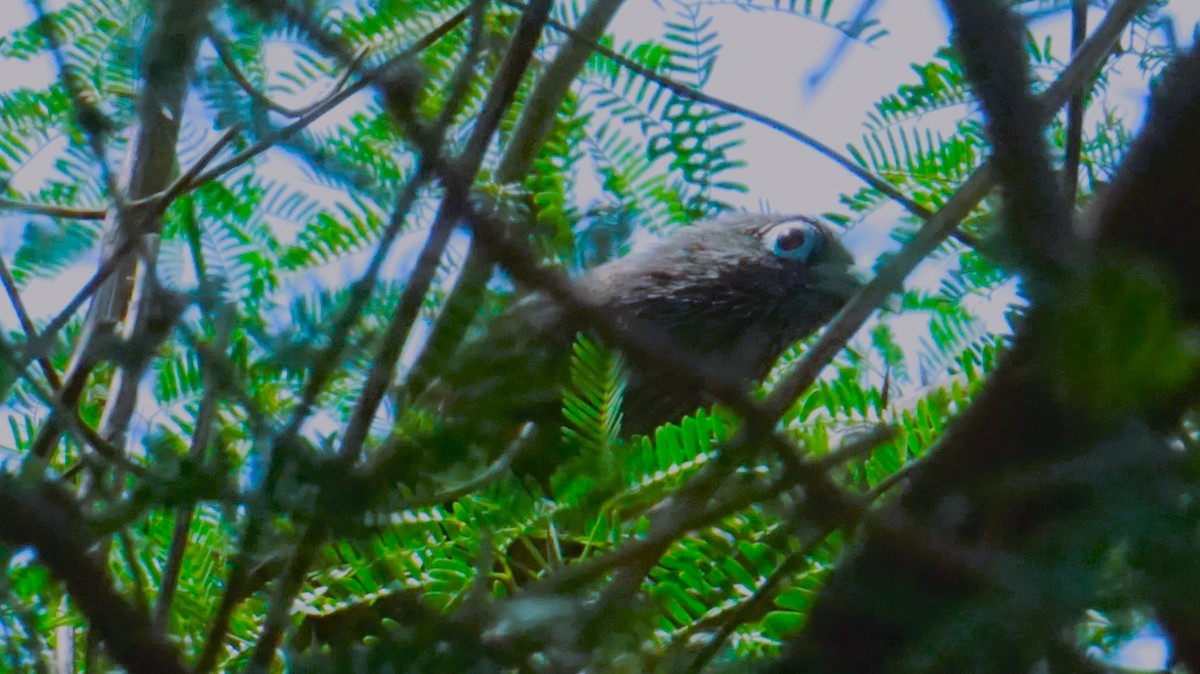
x=1075, y=110
x=45, y=519
x=221, y=46
x=991, y=40
x=53, y=210
x=1090, y=465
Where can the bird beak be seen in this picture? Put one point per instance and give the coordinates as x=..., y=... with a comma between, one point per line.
x=843, y=282
x=839, y=279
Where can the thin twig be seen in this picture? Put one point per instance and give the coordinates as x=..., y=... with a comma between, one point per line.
x=136, y=572
x=397, y=331
x=221, y=46
x=762, y=598
x=853, y=29
x=500, y=96
x=491, y=474
x=784, y=572
x=860, y=444
x=184, y=183
x=206, y=416
x=1074, y=143
x=14, y=296
x=888, y=483
x=647, y=549
x=95, y=127
x=321, y=107
x=309, y=114
x=286, y=589
x=53, y=210
x=86, y=435
x=240, y=581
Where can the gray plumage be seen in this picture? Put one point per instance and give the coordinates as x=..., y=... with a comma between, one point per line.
x=733, y=293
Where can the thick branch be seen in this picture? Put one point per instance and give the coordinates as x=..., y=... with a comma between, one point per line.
x=44, y=520
x=1035, y=468
x=170, y=52
x=991, y=39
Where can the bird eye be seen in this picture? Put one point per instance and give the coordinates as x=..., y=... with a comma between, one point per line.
x=794, y=240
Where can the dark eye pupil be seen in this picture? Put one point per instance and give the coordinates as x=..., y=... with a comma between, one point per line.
x=793, y=239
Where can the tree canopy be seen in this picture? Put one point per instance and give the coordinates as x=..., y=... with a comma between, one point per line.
x=223, y=454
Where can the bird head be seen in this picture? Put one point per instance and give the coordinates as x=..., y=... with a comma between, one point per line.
x=738, y=289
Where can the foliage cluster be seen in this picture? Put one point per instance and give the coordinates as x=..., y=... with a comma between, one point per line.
x=258, y=499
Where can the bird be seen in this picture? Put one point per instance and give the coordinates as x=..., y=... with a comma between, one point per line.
x=731, y=293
